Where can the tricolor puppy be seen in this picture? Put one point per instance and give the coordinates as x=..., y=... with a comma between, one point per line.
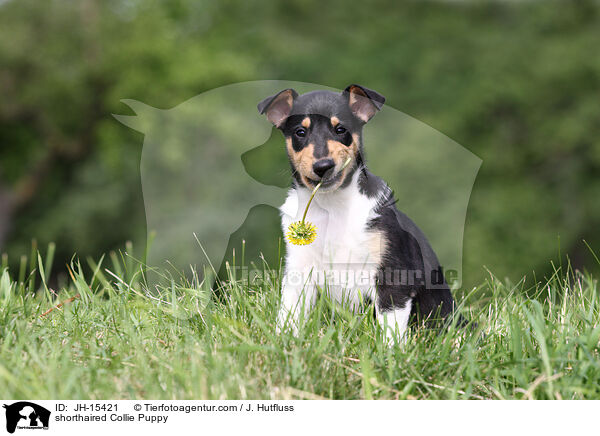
x=365, y=249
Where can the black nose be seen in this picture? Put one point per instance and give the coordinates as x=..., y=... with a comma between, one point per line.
x=320, y=167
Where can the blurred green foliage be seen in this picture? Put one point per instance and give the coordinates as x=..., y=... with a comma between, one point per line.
x=517, y=83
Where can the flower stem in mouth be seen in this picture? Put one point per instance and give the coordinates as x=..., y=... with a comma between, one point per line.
x=304, y=233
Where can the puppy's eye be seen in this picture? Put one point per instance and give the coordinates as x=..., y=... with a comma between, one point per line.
x=340, y=130
x=300, y=132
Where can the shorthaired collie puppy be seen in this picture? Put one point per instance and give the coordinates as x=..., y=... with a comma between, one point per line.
x=365, y=249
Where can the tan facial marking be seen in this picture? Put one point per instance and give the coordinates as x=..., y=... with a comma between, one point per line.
x=340, y=153
x=337, y=150
x=355, y=141
x=334, y=121
x=306, y=122
x=302, y=160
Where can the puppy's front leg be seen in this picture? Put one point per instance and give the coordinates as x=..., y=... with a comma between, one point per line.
x=394, y=322
x=296, y=302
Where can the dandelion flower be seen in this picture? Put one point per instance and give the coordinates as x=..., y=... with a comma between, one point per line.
x=304, y=232
x=301, y=233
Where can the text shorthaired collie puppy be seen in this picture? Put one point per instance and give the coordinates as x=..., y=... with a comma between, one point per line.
x=365, y=249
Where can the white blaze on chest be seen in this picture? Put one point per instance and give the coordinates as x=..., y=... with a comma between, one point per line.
x=346, y=254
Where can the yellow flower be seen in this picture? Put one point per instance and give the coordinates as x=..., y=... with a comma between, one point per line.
x=301, y=233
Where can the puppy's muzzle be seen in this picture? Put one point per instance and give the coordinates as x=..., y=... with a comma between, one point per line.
x=321, y=167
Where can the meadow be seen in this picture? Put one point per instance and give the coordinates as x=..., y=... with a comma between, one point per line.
x=104, y=334
x=514, y=83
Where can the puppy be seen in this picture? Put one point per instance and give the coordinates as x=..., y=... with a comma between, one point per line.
x=365, y=249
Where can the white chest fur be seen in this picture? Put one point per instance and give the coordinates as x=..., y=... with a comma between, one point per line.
x=345, y=256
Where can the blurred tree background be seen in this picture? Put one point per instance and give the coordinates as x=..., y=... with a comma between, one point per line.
x=516, y=83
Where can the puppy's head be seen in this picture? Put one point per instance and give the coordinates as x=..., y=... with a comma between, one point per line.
x=322, y=130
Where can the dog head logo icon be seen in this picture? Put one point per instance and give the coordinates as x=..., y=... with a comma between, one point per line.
x=26, y=415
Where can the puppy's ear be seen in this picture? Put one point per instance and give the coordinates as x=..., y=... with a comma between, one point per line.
x=278, y=106
x=363, y=102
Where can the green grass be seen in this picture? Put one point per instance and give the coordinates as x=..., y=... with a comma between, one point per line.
x=117, y=340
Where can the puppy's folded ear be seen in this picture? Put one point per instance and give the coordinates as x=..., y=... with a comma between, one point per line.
x=278, y=106
x=363, y=102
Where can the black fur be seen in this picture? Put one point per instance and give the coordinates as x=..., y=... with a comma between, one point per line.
x=409, y=269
